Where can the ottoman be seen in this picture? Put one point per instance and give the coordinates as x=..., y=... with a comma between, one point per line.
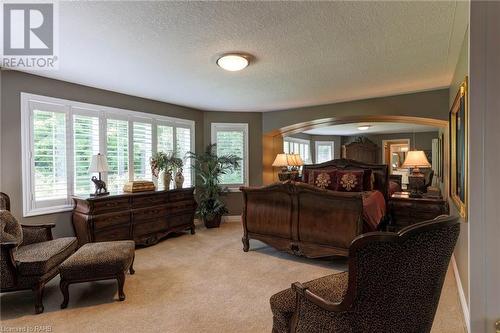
x=98, y=261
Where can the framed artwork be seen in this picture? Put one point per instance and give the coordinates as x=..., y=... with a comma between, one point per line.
x=459, y=140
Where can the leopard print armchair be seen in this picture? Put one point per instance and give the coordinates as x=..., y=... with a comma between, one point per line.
x=29, y=256
x=393, y=284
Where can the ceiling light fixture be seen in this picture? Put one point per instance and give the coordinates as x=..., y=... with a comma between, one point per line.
x=364, y=127
x=233, y=62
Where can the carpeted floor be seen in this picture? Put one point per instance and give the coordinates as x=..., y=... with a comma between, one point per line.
x=200, y=283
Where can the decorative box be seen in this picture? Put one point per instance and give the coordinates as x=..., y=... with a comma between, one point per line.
x=139, y=186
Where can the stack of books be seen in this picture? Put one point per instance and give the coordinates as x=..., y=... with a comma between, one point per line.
x=139, y=186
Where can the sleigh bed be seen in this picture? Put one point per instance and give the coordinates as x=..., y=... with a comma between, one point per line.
x=304, y=219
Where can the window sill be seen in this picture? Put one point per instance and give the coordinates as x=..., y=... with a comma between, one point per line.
x=48, y=210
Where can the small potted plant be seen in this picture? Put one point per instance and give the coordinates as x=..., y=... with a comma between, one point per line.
x=209, y=168
x=166, y=163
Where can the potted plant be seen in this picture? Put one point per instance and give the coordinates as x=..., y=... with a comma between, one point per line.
x=166, y=162
x=209, y=168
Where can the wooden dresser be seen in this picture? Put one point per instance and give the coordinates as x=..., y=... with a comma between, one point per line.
x=406, y=211
x=145, y=217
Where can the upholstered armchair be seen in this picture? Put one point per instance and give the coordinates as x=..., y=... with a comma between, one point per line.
x=29, y=256
x=393, y=285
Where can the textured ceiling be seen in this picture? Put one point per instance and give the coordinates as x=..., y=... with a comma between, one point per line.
x=306, y=53
x=376, y=128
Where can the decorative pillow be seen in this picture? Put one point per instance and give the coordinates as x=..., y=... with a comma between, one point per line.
x=349, y=181
x=324, y=178
x=10, y=229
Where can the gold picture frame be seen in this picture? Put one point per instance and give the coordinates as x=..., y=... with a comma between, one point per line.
x=459, y=152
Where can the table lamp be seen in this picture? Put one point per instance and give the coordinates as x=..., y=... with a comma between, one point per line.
x=295, y=162
x=416, y=159
x=99, y=164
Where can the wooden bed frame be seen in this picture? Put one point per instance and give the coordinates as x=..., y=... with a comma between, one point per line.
x=305, y=220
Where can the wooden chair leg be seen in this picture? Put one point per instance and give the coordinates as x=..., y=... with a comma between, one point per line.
x=63, y=285
x=121, y=281
x=193, y=231
x=38, y=292
x=131, y=269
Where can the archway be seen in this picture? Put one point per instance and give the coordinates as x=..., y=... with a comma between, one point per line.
x=273, y=140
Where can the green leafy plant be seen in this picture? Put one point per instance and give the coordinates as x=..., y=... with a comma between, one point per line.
x=209, y=168
x=168, y=162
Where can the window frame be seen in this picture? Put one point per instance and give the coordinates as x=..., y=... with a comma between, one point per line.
x=71, y=108
x=317, y=144
x=243, y=127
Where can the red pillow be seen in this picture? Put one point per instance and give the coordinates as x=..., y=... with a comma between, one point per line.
x=349, y=181
x=323, y=178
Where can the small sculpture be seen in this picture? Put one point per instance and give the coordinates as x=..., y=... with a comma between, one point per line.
x=100, y=186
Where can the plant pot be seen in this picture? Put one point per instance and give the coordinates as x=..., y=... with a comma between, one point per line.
x=213, y=223
x=167, y=178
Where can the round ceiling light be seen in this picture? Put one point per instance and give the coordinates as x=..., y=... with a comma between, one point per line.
x=364, y=127
x=233, y=62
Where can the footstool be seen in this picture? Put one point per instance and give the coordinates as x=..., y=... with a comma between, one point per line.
x=98, y=261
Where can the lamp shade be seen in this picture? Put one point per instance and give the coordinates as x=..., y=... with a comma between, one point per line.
x=98, y=164
x=295, y=160
x=281, y=160
x=416, y=159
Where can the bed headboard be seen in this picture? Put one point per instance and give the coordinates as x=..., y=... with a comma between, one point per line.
x=380, y=171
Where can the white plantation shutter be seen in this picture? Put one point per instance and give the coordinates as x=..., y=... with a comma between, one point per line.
x=165, y=140
x=232, y=139
x=142, y=147
x=117, y=153
x=49, y=158
x=85, y=145
x=59, y=138
x=183, y=145
x=324, y=151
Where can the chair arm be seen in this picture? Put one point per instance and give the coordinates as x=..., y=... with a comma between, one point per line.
x=36, y=233
x=8, y=245
x=303, y=293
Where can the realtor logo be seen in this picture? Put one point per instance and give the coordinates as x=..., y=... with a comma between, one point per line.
x=29, y=36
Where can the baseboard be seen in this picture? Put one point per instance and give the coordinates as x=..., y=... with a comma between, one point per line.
x=225, y=218
x=231, y=218
x=461, y=294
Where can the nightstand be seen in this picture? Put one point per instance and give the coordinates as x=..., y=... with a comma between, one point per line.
x=406, y=211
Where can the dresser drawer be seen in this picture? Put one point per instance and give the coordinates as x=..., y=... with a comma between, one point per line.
x=148, y=201
x=179, y=196
x=113, y=234
x=112, y=219
x=180, y=206
x=111, y=205
x=144, y=214
x=149, y=227
x=177, y=220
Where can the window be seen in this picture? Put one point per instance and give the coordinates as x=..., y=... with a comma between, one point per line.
x=183, y=139
x=298, y=146
x=59, y=138
x=141, y=137
x=232, y=139
x=86, y=144
x=324, y=151
x=117, y=153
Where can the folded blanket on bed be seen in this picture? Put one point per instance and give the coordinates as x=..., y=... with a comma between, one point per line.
x=374, y=210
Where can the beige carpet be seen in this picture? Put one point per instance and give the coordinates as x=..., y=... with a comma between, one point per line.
x=200, y=283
